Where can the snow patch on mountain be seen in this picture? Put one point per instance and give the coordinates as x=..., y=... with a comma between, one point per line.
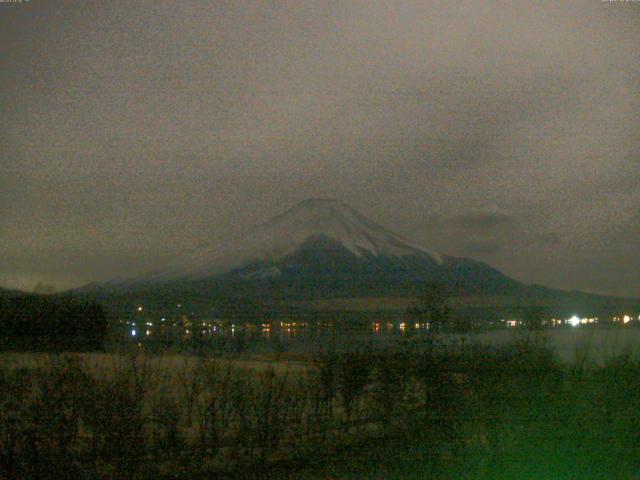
x=285, y=233
x=271, y=271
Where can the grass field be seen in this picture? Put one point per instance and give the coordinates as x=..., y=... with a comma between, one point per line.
x=507, y=411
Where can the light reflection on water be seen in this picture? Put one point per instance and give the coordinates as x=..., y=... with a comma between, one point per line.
x=599, y=343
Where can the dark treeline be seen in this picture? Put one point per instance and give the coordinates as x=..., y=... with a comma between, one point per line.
x=37, y=322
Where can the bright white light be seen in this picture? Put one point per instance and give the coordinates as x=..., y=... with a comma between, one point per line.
x=140, y=308
x=133, y=333
x=574, y=321
x=148, y=333
x=626, y=319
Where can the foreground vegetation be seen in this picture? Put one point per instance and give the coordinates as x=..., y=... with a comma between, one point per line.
x=414, y=411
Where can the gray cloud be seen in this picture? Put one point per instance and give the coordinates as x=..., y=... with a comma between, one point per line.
x=140, y=130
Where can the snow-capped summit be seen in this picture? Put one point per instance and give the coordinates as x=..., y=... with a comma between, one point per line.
x=286, y=233
x=337, y=221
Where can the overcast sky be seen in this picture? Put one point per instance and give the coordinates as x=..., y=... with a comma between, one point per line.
x=504, y=131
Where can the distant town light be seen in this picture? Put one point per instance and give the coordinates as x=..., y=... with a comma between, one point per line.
x=133, y=333
x=574, y=321
x=140, y=308
x=626, y=319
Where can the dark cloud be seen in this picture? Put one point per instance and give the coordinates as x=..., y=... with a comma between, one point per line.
x=480, y=232
x=139, y=130
x=482, y=246
x=550, y=238
x=488, y=220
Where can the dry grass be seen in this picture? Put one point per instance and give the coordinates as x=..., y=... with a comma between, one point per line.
x=105, y=362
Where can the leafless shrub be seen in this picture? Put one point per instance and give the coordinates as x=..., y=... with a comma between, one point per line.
x=117, y=419
x=354, y=370
x=219, y=383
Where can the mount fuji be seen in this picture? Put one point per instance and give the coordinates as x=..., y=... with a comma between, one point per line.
x=319, y=248
x=322, y=249
x=322, y=223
